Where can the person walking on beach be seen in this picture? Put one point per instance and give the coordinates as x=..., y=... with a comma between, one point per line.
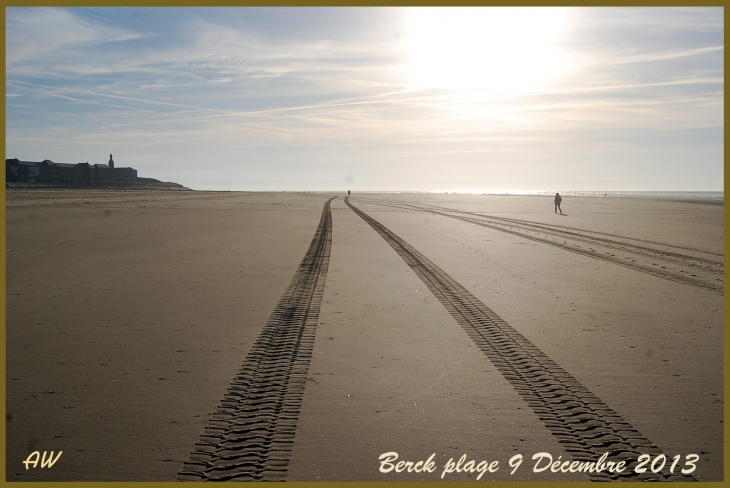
x=348, y=193
x=558, y=199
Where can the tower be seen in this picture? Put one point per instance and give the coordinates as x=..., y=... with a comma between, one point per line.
x=111, y=161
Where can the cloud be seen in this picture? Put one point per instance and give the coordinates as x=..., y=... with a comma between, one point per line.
x=59, y=92
x=200, y=86
x=663, y=19
x=37, y=32
x=619, y=58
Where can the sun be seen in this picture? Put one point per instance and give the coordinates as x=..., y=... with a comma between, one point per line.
x=488, y=49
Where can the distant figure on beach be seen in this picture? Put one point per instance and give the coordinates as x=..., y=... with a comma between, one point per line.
x=348, y=193
x=558, y=199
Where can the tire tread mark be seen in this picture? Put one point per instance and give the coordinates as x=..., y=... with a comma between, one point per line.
x=668, y=275
x=583, y=423
x=635, y=239
x=251, y=434
x=576, y=234
x=428, y=207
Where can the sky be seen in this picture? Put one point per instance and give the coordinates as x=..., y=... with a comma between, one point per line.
x=482, y=99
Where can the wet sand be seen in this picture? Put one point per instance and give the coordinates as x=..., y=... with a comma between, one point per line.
x=129, y=313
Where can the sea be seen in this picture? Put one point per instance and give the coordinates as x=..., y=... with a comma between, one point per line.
x=664, y=195
x=717, y=196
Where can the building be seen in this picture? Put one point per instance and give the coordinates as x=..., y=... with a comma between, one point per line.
x=47, y=171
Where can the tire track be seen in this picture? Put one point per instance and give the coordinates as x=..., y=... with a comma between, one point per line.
x=522, y=228
x=424, y=206
x=585, y=425
x=579, y=234
x=250, y=436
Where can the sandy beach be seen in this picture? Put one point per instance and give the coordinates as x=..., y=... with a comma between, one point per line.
x=131, y=313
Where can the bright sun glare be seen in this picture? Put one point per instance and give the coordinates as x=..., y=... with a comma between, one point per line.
x=497, y=50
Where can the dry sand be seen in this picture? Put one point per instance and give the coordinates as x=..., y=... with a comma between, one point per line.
x=128, y=314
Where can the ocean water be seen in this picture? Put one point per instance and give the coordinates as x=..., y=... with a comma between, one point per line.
x=674, y=195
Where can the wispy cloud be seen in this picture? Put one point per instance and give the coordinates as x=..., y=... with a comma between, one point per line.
x=619, y=58
x=59, y=92
x=38, y=32
x=334, y=85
